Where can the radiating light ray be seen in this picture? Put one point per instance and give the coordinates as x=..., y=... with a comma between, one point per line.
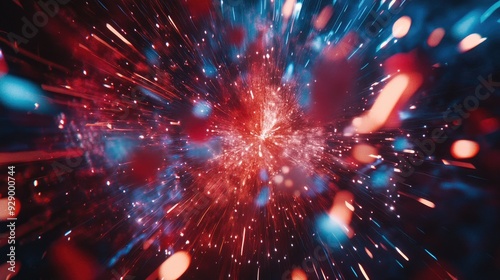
x=470, y=42
x=118, y=34
x=401, y=27
x=363, y=271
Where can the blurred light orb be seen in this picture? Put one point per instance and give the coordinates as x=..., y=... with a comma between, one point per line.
x=436, y=36
x=202, y=109
x=470, y=42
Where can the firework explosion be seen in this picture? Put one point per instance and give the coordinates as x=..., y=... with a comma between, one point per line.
x=262, y=139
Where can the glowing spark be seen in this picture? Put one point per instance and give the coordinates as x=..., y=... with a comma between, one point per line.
x=242, y=242
x=427, y=203
x=172, y=208
x=363, y=271
x=117, y=34
x=402, y=254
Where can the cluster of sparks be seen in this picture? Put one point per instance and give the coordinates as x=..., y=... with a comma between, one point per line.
x=264, y=134
x=218, y=147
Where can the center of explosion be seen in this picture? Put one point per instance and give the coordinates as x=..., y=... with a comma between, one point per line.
x=261, y=134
